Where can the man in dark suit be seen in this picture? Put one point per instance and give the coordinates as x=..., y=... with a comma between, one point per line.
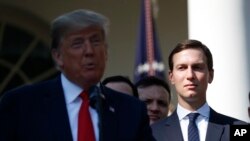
x=48, y=111
x=191, y=70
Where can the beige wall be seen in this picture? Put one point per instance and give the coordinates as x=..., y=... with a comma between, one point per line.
x=124, y=14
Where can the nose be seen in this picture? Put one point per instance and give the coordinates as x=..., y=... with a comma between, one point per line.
x=154, y=106
x=190, y=73
x=88, y=49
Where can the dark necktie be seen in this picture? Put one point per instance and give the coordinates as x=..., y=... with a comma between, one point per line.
x=193, y=133
x=85, y=127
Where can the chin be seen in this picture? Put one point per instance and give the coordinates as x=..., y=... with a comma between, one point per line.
x=192, y=95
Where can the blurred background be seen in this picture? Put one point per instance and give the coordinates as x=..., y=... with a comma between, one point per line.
x=25, y=23
x=24, y=41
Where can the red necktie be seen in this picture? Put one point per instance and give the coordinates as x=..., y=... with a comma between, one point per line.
x=85, y=127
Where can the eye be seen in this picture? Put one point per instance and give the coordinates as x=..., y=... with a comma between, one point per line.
x=198, y=67
x=147, y=101
x=181, y=67
x=162, y=103
x=77, y=43
x=96, y=40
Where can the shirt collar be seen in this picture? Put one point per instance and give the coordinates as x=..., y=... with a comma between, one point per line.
x=71, y=90
x=203, y=110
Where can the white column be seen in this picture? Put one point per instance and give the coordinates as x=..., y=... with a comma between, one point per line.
x=224, y=26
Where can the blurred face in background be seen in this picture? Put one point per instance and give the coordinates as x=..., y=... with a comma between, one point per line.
x=157, y=101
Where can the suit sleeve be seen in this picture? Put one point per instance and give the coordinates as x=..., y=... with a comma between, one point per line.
x=8, y=116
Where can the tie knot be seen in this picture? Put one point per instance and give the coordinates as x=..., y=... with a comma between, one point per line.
x=84, y=95
x=192, y=116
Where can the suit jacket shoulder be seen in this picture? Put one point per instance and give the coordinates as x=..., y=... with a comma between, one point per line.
x=219, y=126
x=221, y=119
x=168, y=129
x=35, y=112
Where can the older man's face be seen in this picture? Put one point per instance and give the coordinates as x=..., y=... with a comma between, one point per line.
x=82, y=56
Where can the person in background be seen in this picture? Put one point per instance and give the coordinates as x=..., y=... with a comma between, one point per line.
x=190, y=71
x=74, y=104
x=155, y=92
x=122, y=84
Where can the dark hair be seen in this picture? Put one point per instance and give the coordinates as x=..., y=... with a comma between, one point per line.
x=153, y=80
x=80, y=18
x=120, y=78
x=193, y=44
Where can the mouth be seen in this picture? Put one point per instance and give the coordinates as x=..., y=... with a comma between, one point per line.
x=89, y=66
x=154, y=117
x=190, y=86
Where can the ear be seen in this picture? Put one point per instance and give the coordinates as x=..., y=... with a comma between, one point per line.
x=170, y=77
x=211, y=76
x=56, y=54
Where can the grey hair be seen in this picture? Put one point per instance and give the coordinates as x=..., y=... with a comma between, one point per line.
x=80, y=18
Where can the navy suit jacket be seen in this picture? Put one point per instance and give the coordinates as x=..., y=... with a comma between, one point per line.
x=169, y=129
x=38, y=113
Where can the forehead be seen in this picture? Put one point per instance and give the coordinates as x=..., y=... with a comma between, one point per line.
x=87, y=31
x=120, y=86
x=189, y=55
x=117, y=84
x=154, y=92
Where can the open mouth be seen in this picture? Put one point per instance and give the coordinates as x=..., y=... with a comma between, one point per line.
x=89, y=66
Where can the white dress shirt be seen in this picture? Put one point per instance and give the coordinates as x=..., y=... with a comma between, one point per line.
x=73, y=103
x=201, y=121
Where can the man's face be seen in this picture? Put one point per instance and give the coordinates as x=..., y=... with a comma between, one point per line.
x=157, y=101
x=190, y=76
x=82, y=55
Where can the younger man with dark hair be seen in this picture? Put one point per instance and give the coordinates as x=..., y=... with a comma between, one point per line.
x=190, y=71
x=155, y=92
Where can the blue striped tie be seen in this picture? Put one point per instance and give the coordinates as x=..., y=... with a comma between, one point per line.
x=193, y=133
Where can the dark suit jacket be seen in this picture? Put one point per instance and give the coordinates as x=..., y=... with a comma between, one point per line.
x=38, y=113
x=169, y=129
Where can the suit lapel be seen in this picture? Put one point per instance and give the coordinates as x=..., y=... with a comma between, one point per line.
x=173, y=128
x=109, y=122
x=57, y=112
x=214, y=130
